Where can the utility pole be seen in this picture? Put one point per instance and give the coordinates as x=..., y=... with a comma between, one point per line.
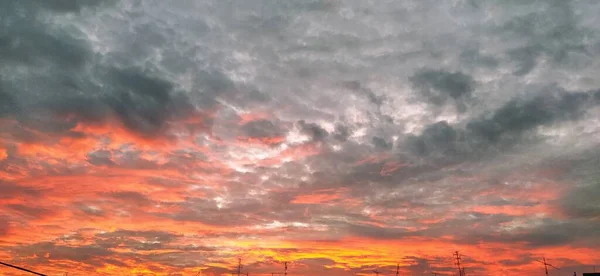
x=376, y=272
x=239, y=268
x=460, y=270
x=285, y=270
x=398, y=270
x=546, y=265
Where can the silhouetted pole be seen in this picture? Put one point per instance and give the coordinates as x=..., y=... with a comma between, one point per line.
x=397, y=269
x=239, y=271
x=22, y=269
x=285, y=270
x=460, y=271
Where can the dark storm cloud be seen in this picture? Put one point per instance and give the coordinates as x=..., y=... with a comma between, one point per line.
x=438, y=86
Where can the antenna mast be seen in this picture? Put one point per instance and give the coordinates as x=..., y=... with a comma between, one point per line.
x=461, y=272
x=546, y=265
x=239, y=268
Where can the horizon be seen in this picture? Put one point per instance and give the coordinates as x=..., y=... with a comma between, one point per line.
x=339, y=137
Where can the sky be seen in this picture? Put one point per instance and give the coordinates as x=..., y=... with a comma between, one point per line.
x=340, y=136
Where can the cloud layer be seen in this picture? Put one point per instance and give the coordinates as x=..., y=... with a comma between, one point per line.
x=172, y=137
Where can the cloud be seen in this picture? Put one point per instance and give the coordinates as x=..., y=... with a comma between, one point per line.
x=438, y=87
x=4, y=226
x=518, y=115
x=56, y=252
x=12, y=190
x=338, y=136
x=579, y=203
x=29, y=211
x=312, y=130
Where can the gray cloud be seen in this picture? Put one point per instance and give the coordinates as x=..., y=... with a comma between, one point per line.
x=438, y=87
x=506, y=127
x=29, y=211
x=581, y=203
x=503, y=89
x=4, y=226
x=518, y=115
x=261, y=129
x=314, y=131
x=78, y=254
x=131, y=198
x=12, y=190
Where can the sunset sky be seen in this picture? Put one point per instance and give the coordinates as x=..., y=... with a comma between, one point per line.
x=172, y=137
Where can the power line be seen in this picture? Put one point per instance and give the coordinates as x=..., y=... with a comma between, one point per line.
x=22, y=269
